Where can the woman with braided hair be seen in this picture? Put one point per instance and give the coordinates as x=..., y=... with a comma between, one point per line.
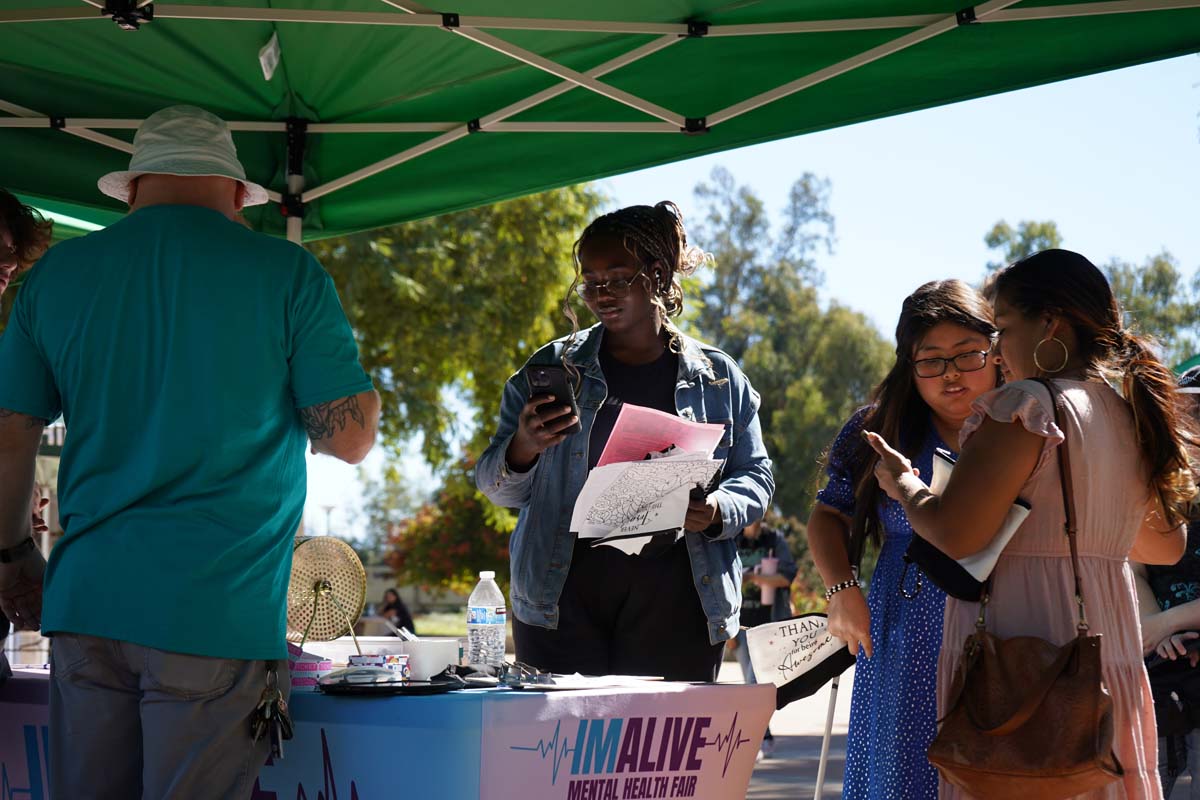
x=599, y=611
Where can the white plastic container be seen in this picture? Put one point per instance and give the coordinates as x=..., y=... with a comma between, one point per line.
x=486, y=622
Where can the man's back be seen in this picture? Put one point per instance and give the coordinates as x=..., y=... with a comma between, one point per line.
x=179, y=345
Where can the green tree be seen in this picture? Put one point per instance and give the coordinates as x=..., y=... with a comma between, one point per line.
x=446, y=308
x=1028, y=238
x=1156, y=295
x=1159, y=300
x=813, y=365
x=388, y=502
x=450, y=539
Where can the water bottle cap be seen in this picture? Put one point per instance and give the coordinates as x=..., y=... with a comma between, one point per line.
x=487, y=575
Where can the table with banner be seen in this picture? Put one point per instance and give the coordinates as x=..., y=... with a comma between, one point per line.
x=663, y=740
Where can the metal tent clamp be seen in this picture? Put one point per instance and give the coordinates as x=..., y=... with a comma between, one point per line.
x=128, y=14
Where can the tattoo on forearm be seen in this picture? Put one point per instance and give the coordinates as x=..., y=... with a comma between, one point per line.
x=326, y=419
x=30, y=422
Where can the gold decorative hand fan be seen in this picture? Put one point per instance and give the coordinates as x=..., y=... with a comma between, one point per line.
x=327, y=591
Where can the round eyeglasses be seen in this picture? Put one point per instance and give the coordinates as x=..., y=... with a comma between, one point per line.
x=615, y=288
x=963, y=362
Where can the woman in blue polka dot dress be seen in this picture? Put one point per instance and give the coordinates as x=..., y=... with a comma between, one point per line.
x=943, y=363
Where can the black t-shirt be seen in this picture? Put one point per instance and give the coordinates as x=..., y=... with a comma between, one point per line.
x=651, y=385
x=1178, y=583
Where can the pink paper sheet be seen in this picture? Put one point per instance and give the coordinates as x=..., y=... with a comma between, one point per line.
x=640, y=430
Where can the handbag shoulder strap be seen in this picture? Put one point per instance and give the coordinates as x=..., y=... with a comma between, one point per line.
x=1068, y=493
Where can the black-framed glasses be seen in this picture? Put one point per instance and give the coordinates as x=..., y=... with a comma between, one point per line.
x=963, y=362
x=618, y=287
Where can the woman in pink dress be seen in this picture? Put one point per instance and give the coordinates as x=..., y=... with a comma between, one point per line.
x=1058, y=319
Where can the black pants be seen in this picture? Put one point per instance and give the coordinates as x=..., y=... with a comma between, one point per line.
x=625, y=615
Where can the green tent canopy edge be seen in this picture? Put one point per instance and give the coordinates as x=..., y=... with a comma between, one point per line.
x=360, y=113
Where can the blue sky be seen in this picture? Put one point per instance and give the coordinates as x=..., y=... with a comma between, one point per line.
x=1114, y=159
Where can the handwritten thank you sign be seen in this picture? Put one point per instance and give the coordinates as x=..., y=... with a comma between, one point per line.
x=798, y=655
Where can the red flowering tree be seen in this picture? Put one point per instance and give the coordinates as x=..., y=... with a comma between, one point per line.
x=447, y=541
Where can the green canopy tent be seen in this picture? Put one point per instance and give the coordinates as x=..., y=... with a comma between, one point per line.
x=1186, y=365
x=360, y=113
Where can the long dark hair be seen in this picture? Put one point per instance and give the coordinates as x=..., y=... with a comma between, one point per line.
x=29, y=230
x=1067, y=285
x=897, y=411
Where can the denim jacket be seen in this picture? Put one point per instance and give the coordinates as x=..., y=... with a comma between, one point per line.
x=710, y=388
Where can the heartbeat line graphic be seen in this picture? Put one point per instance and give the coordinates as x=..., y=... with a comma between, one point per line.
x=729, y=743
x=558, y=745
x=328, y=792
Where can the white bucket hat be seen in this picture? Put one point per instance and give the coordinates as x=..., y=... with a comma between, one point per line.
x=184, y=141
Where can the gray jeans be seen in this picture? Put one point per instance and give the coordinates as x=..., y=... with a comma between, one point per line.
x=129, y=722
x=1186, y=759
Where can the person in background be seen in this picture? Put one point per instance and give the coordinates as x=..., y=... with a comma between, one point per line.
x=392, y=609
x=1133, y=482
x=24, y=237
x=596, y=610
x=191, y=359
x=942, y=365
x=1169, y=605
x=758, y=542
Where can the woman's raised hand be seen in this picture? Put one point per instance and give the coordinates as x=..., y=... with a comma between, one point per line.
x=892, y=466
x=540, y=427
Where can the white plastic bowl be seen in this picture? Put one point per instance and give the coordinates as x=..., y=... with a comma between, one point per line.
x=426, y=657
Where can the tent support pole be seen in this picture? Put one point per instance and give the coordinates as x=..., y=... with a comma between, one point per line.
x=293, y=203
x=454, y=24
x=943, y=25
x=427, y=18
x=82, y=133
x=565, y=73
x=516, y=108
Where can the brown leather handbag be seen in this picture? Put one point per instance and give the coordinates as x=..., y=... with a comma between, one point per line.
x=1028, y=718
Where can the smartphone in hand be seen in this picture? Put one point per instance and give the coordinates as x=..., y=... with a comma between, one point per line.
x=553, y=379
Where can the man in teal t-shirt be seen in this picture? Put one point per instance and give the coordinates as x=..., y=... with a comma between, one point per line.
x=190, y=358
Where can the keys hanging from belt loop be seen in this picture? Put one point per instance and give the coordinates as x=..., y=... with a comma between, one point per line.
x=271, y=717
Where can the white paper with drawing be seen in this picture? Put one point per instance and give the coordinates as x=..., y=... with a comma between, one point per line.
x=623, y=504
x=640, y=430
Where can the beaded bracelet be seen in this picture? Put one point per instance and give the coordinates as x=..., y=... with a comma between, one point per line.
x=837, y=587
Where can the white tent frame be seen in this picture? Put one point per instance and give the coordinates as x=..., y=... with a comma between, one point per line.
x=924, y=27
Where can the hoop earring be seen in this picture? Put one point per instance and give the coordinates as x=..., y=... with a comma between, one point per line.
x=1065, y=359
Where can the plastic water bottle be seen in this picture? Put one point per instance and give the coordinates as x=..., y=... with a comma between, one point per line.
x=486, y=618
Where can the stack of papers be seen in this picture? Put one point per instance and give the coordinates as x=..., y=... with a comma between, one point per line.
x=639, y=488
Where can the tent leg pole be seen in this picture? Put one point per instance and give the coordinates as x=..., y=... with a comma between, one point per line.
x=833, y=693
